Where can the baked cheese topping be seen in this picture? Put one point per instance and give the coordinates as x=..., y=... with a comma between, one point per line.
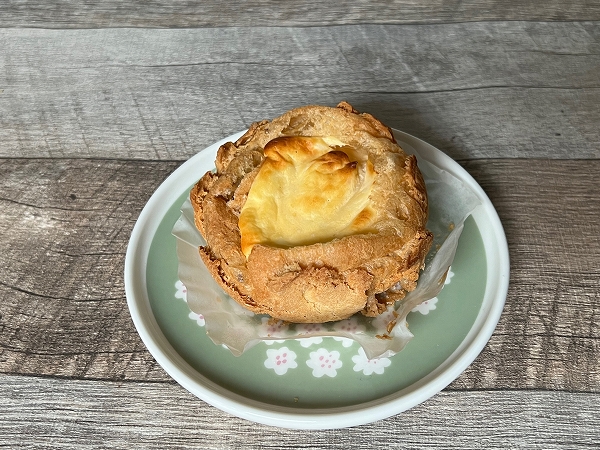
x=308, y=190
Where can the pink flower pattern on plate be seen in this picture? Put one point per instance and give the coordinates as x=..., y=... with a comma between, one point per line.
x=426, y=306
x=273, y=328
x=346, y=342
x=429, y=305
x=180, y=291
x=350, y=325
x=307, y=342
x=280, y=360
x=369, y=366
x=308, y=328
x=199, y=318
x=324, y=362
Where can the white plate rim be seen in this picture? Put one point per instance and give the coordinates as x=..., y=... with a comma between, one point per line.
x=498, y=268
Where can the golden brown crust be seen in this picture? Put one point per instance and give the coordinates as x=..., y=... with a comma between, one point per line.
x=323, y=281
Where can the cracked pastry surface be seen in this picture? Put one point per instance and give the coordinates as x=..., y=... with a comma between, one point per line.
x=314, y=216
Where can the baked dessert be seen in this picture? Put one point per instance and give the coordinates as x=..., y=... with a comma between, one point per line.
x=314, y=216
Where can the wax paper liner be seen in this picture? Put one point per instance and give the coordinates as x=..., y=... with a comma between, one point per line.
x=227, y=323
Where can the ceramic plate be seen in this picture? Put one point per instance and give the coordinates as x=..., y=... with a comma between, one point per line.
x=315, y=383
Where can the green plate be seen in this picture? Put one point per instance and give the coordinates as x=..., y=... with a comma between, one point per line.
x=315, y=382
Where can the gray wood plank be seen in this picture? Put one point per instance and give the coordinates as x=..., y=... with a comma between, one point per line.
x=475, y=90
x=554, y=240
x=65, y=224
x=43, y=413
x=212, y=13
x=65, y=231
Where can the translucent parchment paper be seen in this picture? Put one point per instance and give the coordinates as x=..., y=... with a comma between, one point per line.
x=227, y=323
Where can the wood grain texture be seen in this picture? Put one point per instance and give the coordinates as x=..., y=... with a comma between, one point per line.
x=41, y=413
x=551, y=323
x=65, y=229
x=474, y=90
x=214, y=13
x=65, y=224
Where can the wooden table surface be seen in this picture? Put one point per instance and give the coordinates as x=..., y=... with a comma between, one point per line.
x=101, y=101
